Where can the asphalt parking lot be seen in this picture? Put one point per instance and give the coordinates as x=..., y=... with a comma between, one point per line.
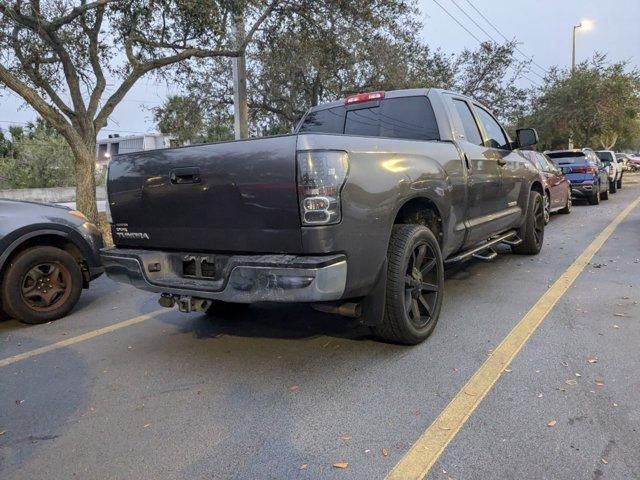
x=286, y=392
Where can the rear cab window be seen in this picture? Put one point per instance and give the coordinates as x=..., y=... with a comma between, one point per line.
x=606, y=157
x=402, y=117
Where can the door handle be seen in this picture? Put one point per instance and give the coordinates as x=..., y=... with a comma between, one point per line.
x=184, y=175
x=466, y=161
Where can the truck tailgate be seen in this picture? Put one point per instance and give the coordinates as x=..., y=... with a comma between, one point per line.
x=225, y=197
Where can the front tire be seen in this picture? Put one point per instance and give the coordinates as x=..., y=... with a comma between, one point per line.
x=41, y=284
x=415, y=280
x=595, y=198
x=547, y=208
x=532, y=231
x=613, y=186
x=619, y=183
x=605, y=195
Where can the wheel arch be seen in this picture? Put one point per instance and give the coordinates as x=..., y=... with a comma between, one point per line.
x=51, y=237
x=424, y=211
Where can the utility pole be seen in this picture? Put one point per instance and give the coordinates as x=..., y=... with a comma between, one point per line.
x=240, y=109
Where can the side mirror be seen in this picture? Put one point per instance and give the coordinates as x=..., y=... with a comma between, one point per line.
x=526, y=137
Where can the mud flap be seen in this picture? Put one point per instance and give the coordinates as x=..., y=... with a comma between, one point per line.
x=373, y=304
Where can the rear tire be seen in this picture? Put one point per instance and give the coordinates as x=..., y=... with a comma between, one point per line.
x=415, y=280
x=41, y=284
x=568, y=205
x=619, y=183
x=613, y=186
x=605, y=195
x=532, y=231
x=595, y=198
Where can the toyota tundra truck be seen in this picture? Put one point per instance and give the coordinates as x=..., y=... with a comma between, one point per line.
x=356, y=212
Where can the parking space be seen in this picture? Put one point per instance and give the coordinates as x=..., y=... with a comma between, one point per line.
x=286, y=392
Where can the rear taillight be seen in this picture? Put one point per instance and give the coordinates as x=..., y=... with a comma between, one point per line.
x=364, y=97
x=584, y=170
x=321, y=175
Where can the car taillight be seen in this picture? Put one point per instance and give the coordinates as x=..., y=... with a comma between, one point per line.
x=321, y=176
x=364, y=97
x=584, y=170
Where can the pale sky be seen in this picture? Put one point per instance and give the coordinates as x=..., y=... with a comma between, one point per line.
x=543, y=26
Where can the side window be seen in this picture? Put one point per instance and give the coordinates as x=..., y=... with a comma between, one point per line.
x=497, y=138
x=469, y=125
x=550, y=165
x=330, y=120
x=408, y=117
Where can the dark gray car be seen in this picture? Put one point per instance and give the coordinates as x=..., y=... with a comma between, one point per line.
x=48, y=253
x=356, y=212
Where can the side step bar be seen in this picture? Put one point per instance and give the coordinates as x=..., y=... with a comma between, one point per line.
x=510, y=238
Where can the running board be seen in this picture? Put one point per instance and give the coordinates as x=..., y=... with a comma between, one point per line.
x=510, y=238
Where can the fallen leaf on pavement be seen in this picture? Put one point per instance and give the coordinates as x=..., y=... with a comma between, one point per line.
x=471, y=394
x=346, y=438
x=616, y=326
x=604, y=461
x=571, y=382
x=18, y=402
x=385, y=452
x=614, y=404
x=508, y=370
x=341, y=465
x=552, y=423
x=294, y=388
x=593, y=360
x=146, y=425
x=415, y=413
x=303, y=466
x=444, y=427
x=578, y=375
x=3, y=432
x=619, y=315
x=600, y=383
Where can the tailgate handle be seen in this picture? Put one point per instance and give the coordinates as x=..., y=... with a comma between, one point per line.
x=185, y=175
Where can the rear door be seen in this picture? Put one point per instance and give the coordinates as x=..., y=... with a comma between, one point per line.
x=484, y=188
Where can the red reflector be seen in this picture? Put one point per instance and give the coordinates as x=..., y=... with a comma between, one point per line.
x=364, y=97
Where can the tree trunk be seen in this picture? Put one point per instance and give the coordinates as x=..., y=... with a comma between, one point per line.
x=86, y=182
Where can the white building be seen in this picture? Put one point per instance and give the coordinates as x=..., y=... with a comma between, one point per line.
x=115, y=144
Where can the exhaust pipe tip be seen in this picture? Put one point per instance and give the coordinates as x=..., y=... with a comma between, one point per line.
x=351, y=309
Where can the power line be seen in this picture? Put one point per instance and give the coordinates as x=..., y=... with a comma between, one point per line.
x=476, y=38
x=506, y=39
x=489, y=35
x=458, y=22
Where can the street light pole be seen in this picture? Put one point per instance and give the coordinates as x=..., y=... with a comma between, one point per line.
x=573, y=50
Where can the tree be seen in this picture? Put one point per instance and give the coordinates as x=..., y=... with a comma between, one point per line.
x=184, y=118
x=58, y=54
x=40, y=158
x=598, y=105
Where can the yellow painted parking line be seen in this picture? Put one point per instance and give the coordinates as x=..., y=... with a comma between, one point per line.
x=417, y=462
x=81, y=338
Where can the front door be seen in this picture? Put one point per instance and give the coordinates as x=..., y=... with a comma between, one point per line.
x=484, y=185
x=512, y=167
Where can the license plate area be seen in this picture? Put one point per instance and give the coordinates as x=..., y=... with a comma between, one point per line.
x=202, y=266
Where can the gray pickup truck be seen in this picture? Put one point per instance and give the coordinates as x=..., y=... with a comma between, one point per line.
x=356, y=212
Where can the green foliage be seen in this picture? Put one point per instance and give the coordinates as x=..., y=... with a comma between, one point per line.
x=39, y=158
x=598, y=105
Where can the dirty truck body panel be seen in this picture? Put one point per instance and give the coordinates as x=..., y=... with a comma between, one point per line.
x=235, y=208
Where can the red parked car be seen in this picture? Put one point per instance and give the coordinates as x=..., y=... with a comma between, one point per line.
x=556, y=186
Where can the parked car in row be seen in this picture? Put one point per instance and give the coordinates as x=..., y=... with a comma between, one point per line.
x=557, y=189
x=632, y=162
x=588, y=175
x=48, y=254
x=608, y=158
x=356, y=212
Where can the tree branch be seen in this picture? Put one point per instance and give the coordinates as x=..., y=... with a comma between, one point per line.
x=76, y=12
